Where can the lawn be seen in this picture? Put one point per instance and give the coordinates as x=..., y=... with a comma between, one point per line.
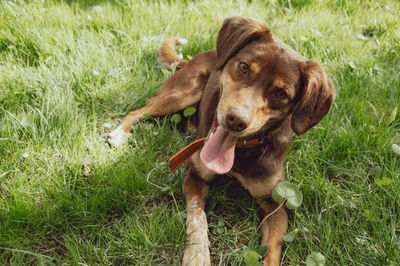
x=70, y=71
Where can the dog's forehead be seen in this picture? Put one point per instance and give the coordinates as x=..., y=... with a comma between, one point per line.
x=272, y=57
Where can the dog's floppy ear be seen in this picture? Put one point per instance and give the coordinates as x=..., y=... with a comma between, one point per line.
x=235, y=33
x=316, y=98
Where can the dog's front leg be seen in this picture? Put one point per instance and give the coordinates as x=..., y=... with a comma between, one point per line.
x=197, y=250
x=273, y=229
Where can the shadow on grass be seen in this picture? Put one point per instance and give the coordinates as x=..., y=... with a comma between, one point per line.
x=127, y=211
x=110, y=210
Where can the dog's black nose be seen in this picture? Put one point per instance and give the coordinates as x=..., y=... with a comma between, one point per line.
x=235, y=123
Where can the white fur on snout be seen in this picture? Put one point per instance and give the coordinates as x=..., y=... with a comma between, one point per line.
x=117, y=137
x=244, y=110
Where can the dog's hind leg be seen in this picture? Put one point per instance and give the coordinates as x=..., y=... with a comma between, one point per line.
x=157, y=106
x=182, y=89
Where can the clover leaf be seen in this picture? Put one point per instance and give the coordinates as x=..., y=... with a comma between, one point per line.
x=289, y=237
x=176, y=118
x=384, y=181
x=251, y=259
x=189, y=111
x=315, y=259
x=289, y=192
x=253, y=256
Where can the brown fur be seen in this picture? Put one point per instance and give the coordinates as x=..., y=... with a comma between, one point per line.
x=278, y=92
x=166, y=55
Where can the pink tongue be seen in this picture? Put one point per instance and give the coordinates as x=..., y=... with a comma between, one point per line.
x=218, y=152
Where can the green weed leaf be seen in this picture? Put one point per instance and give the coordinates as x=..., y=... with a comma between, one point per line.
x=176, y=118
x=221, y=223
x=189, y=111
x=289, y=237
x=315, y=259
x=165, y=71
x=368, y=214
x=262, y=250
x=219, y=229
x=384, y=181
x=289, y=192
x=251, y=258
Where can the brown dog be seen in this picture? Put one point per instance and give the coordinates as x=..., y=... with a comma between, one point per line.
x=253, y=89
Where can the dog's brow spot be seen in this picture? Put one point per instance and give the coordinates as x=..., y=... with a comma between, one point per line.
x=255, y=68
x=264, y=110
x=279, y=83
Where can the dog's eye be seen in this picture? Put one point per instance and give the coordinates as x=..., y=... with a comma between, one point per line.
x=243, y=68
x=281, y=94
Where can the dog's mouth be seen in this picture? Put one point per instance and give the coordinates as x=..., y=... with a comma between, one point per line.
x=218, y=153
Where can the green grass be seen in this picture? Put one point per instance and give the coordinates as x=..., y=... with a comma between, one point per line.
x=68, y=71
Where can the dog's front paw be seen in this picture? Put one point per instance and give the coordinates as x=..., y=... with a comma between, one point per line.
x=272, y=260
x=117, y=137
x=197, y=250
x=196, y=255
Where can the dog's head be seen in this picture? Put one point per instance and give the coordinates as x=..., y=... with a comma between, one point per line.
x=263, y=81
